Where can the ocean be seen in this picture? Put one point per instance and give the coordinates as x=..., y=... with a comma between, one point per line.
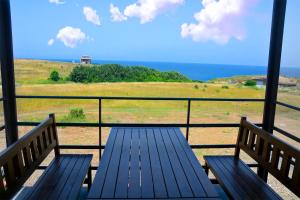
x=201, y=72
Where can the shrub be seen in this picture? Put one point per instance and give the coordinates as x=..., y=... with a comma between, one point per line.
x=225, y=87
x=75, y=114
x=205, y=86
x=250, y=83
x=54, y=76
x=196, y=86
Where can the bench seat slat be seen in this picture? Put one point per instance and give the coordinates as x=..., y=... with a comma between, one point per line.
x=64, y=174
x=72, y=187
x=230, y=187
x=239, y=181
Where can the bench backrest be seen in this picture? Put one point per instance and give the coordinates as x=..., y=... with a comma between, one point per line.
x=275, y=155
x=18, y=161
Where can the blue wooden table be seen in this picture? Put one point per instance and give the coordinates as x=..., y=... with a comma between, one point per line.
x=150, y=163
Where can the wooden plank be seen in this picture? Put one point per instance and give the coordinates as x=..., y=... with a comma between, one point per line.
x=134, y=189
x=260, y=189
x=192, y=178
x=183, y=184
x=122, y=183
x=9, y=172
x=73, y=185
x=171, y=183
x=231, y=188
x=23, y=193
x=146, y=174
x=112, y=172
x=54, y=190
x=238, y=179
x=49, y=178
x=97, y=186
x=235, y=176
x=158, y=179
x=206, y=183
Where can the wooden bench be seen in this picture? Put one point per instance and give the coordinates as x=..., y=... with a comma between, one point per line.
x=276, y=156
x=62, y=179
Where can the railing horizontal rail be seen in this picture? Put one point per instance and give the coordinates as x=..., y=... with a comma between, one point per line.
x=181, y=125
x=288, y=106
x=139, y=98
x=70, y=124
x=283, y=132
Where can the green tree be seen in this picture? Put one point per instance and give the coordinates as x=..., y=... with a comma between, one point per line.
x=54, y=76
x=119, y=73
x=250, y=83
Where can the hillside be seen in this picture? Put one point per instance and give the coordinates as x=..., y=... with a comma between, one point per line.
x=37, y=72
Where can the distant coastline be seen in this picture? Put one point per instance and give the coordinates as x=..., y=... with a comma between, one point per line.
x=197, y=71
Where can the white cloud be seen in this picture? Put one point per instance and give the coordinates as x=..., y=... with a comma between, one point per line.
x=71, y=36
x=57, y=2
x=116, y=14
x=146, y=10
x=91, y=15
x=51, y=42
x=219, y=21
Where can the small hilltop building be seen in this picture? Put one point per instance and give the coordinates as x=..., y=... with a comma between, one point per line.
x=85, y=60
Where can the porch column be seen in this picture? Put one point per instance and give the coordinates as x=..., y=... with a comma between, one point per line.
x=7, y=73
x=274, y=62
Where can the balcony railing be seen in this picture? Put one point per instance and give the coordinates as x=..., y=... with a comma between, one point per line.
x=186, y=125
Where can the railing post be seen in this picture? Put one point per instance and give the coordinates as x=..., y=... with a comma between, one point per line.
x=7, y=73
x=276, y=40
x=188, y=120
x=100, y=127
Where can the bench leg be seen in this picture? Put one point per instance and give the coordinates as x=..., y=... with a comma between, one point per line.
x=89, y=178
x=206, y=168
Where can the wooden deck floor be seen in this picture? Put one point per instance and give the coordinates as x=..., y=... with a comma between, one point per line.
x=150, y=163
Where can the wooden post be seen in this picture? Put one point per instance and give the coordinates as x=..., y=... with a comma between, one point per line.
x=7, y=73
x=276, y=40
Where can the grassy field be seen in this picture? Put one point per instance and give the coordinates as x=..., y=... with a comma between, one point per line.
x=32, y=79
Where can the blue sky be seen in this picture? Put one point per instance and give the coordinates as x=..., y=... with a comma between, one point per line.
x=202, y=31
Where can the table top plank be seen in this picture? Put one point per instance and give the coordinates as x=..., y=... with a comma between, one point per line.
x=187, y=166
x=202, y=176
x=146, y=174
x=113, y=167
x=171, y=183
x=95, y=191
x=157, y=175
x=122, y=183
x=184, y=186
x=134, y=189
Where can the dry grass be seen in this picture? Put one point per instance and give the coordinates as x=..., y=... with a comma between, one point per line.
x=37, y=71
